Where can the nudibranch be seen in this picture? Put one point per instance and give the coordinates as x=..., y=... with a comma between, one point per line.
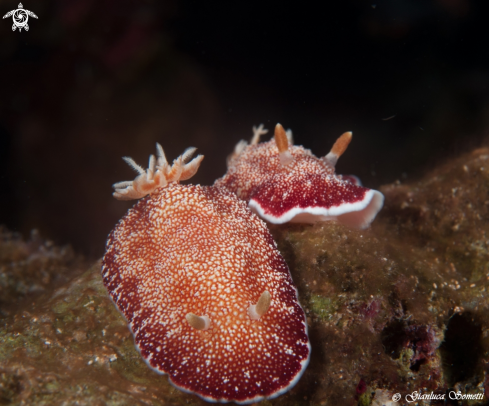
x=283, y=182
x=208, y=297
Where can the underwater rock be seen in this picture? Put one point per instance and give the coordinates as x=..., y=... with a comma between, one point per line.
x=447, y=213
x=73, y=347
x=28, y=268
x=396, y=308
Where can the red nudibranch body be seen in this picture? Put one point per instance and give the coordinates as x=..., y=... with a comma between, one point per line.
x=283, y=182
x=208, y=297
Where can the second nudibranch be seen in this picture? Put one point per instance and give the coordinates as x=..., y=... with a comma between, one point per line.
x=283, y=182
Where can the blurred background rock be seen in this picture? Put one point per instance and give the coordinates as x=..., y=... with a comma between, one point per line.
x=92, y=81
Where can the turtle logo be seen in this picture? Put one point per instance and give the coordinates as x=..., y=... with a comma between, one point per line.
x=20, y=17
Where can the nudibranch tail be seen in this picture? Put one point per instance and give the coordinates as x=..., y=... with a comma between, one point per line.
x=339, y=147
x=158, y=174
x=282, y=142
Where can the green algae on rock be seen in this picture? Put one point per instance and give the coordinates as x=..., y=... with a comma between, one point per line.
x=73, y=347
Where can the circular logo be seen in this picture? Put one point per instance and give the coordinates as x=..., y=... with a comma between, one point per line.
x=20, y=17
x=396, y=397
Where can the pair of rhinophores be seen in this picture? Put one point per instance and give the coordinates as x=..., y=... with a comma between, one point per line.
x=208, y=297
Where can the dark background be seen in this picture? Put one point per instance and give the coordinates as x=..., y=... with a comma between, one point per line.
x=95, y=80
